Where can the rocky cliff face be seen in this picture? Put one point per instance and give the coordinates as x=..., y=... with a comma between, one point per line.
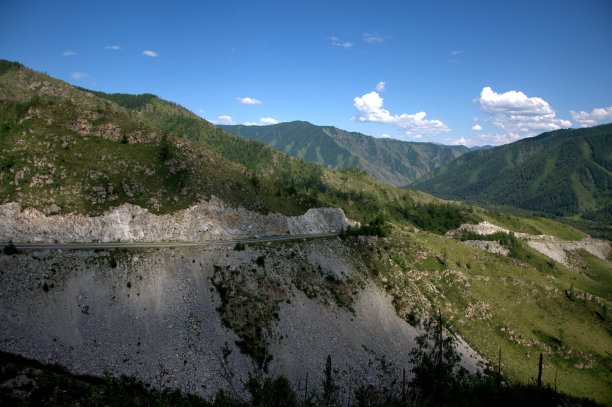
x=207, y=220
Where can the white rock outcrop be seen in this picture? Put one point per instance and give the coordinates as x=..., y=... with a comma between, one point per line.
x=207, y=220
x=557, y=249
x=549, y=246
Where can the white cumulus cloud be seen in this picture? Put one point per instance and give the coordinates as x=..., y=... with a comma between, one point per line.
x=268, y=120
x=385, y=135
x=369, y=108
x=477, y=127
x=340, y=43
x=262, y=122
x=248, y=101
x=150, y=53
x=460, y=142
x=224, y=119
x=68, y=53
x=79, y=75
x=117, y=48
x=517, y=113
x=381, y=86
x=595, y=117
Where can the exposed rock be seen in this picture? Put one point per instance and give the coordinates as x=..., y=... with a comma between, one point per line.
x=490, y=246
x=556, y=249
x=483, y=228
x=158, y=310
x=207, y=220
x=549, y=246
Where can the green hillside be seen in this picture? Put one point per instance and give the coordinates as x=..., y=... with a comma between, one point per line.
x=66, y=150
x=562, y=173
x=361, y=196
x=71, y=149
x=302, y=140
x=391, y=161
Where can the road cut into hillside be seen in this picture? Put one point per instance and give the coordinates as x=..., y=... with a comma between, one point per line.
x=207, y=220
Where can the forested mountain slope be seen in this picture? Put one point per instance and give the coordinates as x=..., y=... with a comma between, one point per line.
x=391, y=161
x=564, y=172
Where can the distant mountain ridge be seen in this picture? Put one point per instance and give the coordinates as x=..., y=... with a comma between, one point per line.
x=394, y=162
x=486, y=147
x=563, y=172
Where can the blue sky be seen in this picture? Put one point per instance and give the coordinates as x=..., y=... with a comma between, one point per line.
x=451, y=72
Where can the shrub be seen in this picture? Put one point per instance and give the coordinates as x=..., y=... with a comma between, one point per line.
x=272, y=392
x=377, y=227
x=10, y=249
x=437, y=377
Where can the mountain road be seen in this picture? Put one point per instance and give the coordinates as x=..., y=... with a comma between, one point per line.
x=106, y=245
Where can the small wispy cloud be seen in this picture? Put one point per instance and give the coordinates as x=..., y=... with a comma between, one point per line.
x=495, y=139
x=115, y=47
x=381, y=86
x=150, y=53
x=78, y=75
x=340, y=43
x=477, y=127
x=248, y=101
x=68, y=53
x=224, y=119
x=372, y=38
x=455, y=54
